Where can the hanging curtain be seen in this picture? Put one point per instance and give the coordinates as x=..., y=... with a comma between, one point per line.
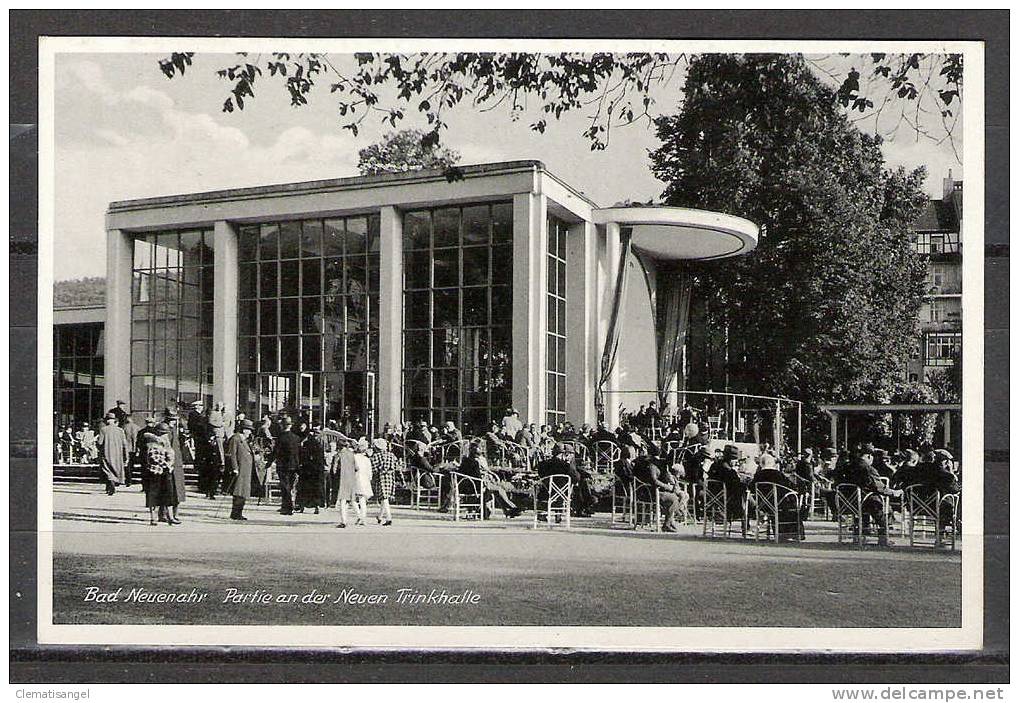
x=608, y=358
x=672, y=316
x=669, y=288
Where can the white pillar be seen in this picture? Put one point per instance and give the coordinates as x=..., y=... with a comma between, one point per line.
x=608, y=271
x=582, y=322
x=390, y=373
x=530, y=276
x=224, y=316
x=117, y=331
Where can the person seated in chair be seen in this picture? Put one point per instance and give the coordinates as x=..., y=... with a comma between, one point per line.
x=562, y=461
x=450, y=433
x=788, y=514
x=724, y=470
x=861, y=473
x=476, y=466
x=908, y=472
x=671, y=496
x=939, y=476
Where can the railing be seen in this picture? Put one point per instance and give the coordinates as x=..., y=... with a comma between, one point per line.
x=734, y=417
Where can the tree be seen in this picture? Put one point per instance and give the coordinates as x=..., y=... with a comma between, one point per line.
x=614, y=88
x=406, y=150
x=78, y=292
x=822, y=310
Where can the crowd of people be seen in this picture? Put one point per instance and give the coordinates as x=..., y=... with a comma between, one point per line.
x=315, y=467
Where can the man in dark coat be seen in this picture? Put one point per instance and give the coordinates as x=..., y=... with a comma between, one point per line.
x=562, y=462
x=206, y=456
x=723, y=470
x=862, y=473
x=287, y=455
x=240, y=461
x=119, y=411
x=313, y=466
x=788, y=513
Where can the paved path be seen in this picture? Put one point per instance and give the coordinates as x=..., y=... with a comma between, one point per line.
x=592, y=575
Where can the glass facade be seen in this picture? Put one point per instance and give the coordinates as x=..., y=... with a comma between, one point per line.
x=458, y=313
x=555, y=338
x=171, y=318
x=78, y=373
x=308, y=319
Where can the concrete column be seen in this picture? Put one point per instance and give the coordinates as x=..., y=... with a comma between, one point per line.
x=224, y=317
x=582, y=322
x=834, y=430
x=530, y=276
x=390, y=378
x=117, y=332
x=608, y=267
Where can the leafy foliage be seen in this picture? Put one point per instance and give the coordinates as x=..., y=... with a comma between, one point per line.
x=406, y=150
x=823, y=310
x=613, y=89
x=922, y=91
x=79, y=292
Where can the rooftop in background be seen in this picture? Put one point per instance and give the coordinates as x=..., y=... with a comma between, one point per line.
x=938, y=230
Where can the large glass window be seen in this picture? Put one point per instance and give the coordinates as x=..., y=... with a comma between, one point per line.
x=555, y=339
x=458, y=314
x=943, y=349
x=308, y=319
x=78, y=373
x=171, y=318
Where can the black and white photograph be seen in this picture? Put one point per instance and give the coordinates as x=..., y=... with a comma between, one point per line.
x=623, y=345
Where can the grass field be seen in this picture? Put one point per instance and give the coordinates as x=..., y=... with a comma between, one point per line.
x=592, y=575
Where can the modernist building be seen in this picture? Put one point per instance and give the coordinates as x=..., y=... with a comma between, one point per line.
x=938, y=238
x=391, y=297
x=78, y=364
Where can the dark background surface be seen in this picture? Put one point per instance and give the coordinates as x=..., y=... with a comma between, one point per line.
x=33, y=663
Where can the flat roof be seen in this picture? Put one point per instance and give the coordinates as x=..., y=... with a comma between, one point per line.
x=672, y=233
x=345, y=183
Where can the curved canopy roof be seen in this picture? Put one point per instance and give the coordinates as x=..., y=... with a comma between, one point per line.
x=683, y=233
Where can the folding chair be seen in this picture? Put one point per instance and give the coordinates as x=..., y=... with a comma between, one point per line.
x=716, y=509
x=647, y=508
x=849, y=512
x=606, y=456
x=557, y=491
x=468, y=497
x=772, y=499
x=926, y=522
x=622, y=502
x=424, y=497
x=452, y=452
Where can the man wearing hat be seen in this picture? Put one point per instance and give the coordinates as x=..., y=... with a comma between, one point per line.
x=240, y=461
x=119, y=411
x=131, y=434
x=287, y=456
x=724, y=470
x=562, y=462
x=113, y=452
x=863, y=474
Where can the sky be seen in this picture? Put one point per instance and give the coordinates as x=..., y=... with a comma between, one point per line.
x=123, y=131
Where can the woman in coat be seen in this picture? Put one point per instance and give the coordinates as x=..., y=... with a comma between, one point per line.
x=309, y=487
x=355, y=481
x=159, y=465
x=172, y=421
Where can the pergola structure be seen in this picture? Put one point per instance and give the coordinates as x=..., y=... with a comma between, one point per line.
x=841, y=413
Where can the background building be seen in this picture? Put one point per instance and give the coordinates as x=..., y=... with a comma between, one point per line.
x=938, y=237
x=78, y=363
x=391, y=297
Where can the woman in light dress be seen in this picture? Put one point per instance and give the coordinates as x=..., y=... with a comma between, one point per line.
x=355, y=481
